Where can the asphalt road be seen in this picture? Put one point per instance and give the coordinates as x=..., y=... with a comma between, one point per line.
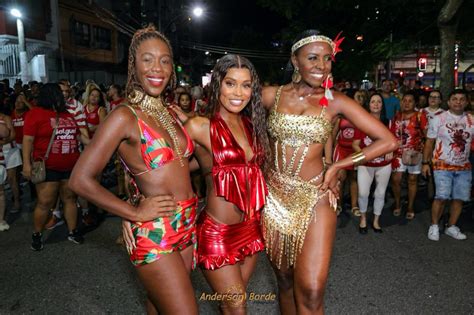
x=397, y=272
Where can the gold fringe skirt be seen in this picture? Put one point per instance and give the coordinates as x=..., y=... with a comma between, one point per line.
x=288, y=211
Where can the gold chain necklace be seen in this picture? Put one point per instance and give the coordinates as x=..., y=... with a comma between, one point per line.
x=154, y=108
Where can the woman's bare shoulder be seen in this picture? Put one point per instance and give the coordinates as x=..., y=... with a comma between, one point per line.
x=197, y=125
x=268, y=96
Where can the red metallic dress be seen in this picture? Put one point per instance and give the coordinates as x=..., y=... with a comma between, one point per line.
x=241, y=183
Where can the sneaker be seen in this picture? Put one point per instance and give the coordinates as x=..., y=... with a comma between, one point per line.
x=37, y=243
x=75, y=237
x=433, y=232
x=455, y=233
x=53, y=222
x=4, y=226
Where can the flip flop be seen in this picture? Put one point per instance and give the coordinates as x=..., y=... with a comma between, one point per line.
x=397, y=212
x=410, y=215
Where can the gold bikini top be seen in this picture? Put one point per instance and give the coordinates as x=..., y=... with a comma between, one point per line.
x=297, y=132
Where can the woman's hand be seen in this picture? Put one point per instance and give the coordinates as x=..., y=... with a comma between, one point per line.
x=128, y=238
x=26, y=171
x=183, y=117
x=330, y=181
x=155, y=207
x=389, y=156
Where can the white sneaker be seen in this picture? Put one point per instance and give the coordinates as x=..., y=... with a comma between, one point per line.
x=4, y=226
x=455, y=233
x=433, y=232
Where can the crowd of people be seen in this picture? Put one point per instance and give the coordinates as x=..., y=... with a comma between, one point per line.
x=269, y=163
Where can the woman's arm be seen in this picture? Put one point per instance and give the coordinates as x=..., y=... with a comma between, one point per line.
x=193, y=165
x=119, y=126
x=11, y=134
x=384, y=141
x=356, y=145
x=27, y=149
x=102, y=114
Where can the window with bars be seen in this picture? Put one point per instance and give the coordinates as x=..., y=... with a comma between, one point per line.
x=82, y=34
x=102, y=38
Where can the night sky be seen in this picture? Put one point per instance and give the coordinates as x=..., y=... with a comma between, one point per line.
x=223, y=17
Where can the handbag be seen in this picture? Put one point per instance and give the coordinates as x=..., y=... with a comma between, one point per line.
x=411, y=157
x=38, y=168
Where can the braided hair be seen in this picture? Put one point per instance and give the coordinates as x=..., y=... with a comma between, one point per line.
x=139, y=37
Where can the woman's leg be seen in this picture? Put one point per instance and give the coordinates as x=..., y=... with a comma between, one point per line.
x=69, y=199
x=2, y=204
x=365, y=176
x=187, y=256
x=286, y=297
x=47, y=194
x=382, y=177
x=312, y=265
x=396, y=188
x=353, y=188
x=13, y=181
x=412, y=188
x=168, y=285
x=247, y=268
x=228, y=282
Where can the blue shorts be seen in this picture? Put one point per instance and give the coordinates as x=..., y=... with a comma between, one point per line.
x=454, y=185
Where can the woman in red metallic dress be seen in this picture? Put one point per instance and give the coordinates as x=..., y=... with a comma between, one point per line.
x=234, y=140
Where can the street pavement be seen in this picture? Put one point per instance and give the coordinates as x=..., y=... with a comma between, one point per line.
x=397, y=272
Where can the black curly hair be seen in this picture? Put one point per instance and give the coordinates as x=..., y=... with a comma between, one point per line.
x=254, y=110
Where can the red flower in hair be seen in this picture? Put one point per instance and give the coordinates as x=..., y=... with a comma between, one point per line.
x=337, y=43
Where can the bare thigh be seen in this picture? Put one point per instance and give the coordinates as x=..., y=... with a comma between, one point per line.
x=47, y=195
x=168, y=285
x=312, y=266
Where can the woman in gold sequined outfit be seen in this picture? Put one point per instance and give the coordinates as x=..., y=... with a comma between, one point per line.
x=299, y=220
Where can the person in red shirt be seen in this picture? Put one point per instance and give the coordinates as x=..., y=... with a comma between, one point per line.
x=18, y=118
x=11, y=150
x=114, y=95
x=409, y=127
x=344, y=133
x=5, y=122
x=94, y=108
x=37, y=134
x=378, y=169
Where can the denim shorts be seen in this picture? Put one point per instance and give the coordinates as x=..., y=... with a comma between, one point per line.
x=454, y=185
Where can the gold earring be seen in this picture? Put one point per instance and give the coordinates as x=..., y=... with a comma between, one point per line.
x=296, y=77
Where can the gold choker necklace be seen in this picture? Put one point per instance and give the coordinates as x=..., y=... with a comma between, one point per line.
x=154, y=108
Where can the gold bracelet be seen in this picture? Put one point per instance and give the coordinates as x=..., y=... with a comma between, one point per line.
x=358, y=158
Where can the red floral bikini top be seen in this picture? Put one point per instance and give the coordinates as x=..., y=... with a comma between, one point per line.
x=235, y=179
x=156, y=151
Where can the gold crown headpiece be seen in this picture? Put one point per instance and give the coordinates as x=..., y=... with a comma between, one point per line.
x=319, y=38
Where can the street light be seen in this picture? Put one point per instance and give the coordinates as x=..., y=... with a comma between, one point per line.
x=21, y=44
x=196, y=12
x=16, y=13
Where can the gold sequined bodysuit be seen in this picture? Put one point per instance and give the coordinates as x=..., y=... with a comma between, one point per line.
x=290, y=203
